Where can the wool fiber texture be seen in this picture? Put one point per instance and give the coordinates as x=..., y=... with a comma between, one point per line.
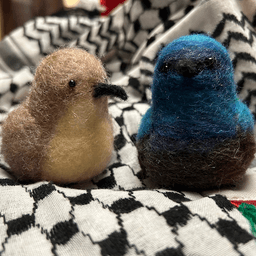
x=197, y=133
x=120, y=212
x=60, y=132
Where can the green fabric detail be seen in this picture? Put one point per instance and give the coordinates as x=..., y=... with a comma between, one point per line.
x=249, y=212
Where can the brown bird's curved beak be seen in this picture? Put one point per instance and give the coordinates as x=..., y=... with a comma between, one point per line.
x=102, y=89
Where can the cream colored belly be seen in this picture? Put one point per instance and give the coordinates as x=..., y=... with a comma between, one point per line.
x=80, y=150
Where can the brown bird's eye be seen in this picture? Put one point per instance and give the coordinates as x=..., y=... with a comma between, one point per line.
x=72, y=83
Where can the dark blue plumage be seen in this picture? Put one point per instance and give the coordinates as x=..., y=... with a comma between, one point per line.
x=195, y=112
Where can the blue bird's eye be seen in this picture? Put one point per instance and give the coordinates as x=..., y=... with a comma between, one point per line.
x=166, y=67
x=207, y=63
x=72, y=83
x=210, y=62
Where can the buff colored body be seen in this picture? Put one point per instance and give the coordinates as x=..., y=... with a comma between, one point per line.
x=61, y=133
x=91, y=141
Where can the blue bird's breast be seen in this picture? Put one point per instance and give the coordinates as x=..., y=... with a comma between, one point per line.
x=206, y=124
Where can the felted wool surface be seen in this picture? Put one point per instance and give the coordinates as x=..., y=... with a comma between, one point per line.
x=61, y=132
x=196, y=125
x=119, y=212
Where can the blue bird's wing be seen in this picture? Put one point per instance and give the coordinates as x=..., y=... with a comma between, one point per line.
x=145, y=125
x=245, y=117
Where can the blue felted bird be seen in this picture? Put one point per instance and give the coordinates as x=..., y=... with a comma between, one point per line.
x=197, y=134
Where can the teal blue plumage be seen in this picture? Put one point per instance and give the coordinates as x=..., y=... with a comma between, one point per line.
x=195, y=107
x=204, y=105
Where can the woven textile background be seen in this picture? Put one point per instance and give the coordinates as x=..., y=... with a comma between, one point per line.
x=120, y=213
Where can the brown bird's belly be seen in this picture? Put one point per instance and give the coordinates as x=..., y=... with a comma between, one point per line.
x=80, y=149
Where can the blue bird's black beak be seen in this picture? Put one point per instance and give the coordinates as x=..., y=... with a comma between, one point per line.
x=191, y=68
x=187, y=68
x=102, y=89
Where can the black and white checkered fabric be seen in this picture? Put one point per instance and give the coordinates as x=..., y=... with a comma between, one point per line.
x=120, y=213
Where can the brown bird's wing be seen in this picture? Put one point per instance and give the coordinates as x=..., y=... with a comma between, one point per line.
x=22, y=145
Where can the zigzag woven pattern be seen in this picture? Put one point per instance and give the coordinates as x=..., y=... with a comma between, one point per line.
x=119, y=212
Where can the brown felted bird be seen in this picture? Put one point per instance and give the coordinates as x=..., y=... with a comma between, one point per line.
x=62, y=132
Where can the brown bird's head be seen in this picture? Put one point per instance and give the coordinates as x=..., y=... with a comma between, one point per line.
x=66, y=76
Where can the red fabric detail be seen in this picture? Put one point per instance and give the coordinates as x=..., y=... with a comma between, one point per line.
x=110, y=5
x=238, y=202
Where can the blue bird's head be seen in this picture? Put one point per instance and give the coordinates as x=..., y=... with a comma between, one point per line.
x=193, y=63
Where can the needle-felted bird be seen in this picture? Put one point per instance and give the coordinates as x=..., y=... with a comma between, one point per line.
x=197, y=134
x=62, y=132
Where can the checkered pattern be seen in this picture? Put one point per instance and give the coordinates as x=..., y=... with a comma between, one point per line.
x=44, y=219
x=119, y=212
